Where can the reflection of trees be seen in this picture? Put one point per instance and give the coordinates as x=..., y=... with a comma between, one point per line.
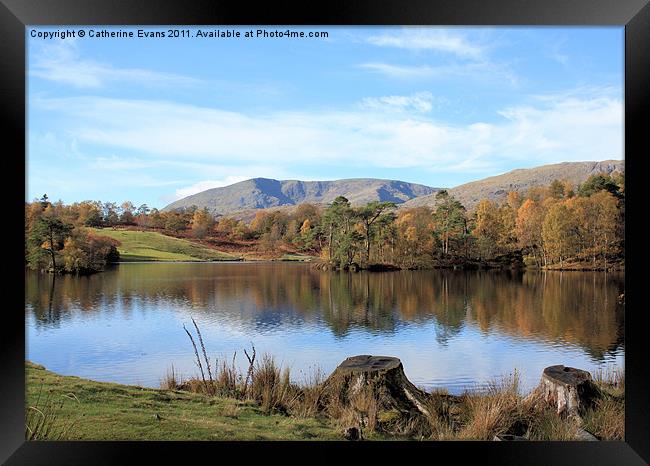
x=578, y=307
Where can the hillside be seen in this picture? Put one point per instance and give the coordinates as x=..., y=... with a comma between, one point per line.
x=496, y=187
x=263, y=193
x=242, y=199
x=152, y=246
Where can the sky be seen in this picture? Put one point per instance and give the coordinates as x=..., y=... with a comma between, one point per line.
x=153, y=119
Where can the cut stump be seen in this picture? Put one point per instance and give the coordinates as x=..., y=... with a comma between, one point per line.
x=384, y=376
x=571, y=390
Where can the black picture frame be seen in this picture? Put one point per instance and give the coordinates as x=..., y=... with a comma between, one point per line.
x=15, y=15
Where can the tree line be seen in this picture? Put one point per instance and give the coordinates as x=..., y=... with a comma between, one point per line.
x=549, y=226
x=55, y=244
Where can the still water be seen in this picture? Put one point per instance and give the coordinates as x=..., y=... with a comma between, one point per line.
x=453, y=329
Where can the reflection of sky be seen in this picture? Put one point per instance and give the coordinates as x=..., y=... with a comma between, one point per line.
x=135, y=341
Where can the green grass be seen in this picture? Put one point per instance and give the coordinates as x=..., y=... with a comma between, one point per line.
x=106, y=411
x=153, y=246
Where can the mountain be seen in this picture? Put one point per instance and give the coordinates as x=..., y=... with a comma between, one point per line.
x=496, y=187
x=241, y=199
x=262, y=193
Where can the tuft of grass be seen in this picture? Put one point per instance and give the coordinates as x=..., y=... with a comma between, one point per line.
x=607, y=420
x=271, y=386
x=43, y=420
x=172, y=380
x=491, y=411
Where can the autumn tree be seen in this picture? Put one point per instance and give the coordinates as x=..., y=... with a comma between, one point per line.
x=174, y=222
x=202, y=223
x=488, y=228
x=86, y=253
x=598, y=217
x=560, y=232
x=528, y=229
x=414, y=237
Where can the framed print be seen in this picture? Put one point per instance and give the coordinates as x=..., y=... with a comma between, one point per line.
x=368, y=228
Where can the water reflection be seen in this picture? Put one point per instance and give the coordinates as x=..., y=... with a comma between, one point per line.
x=241, y=301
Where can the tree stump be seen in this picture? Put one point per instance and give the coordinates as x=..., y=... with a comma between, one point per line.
x=571, y=390
x=384, y=377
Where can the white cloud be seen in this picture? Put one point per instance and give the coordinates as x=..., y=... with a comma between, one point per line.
x=567, y=127
x=59, y=61
x=421, y=102
x=207, y=184
x=480, y=71
x=429, y=39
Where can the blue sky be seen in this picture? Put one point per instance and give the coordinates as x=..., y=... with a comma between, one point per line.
x=152, y=120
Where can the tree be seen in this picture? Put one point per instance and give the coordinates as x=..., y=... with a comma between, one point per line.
x=514, y=200
x=142, y=215
x=305, y=239
x=126, y=217
x=560, y=232
x=175, y=222
x=556, y=189
x=202, y=223
x=45, y=239
x=599, y=182
x=488, y=228
x=369, y=215
x=449, y=218
x=528, y=228
x=90, y=214
x=111, y=217
x=598, y=217
x=87, y=253
x=414, y=237
x=156, y=219
x=338, y=221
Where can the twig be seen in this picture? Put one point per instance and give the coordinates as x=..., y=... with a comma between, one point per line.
x=205, y=355
x=249, y=374
x=198, y=359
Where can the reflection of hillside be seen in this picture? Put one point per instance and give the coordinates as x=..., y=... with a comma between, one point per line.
x=580, y=308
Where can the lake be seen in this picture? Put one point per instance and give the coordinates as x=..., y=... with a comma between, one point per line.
x=452, y=329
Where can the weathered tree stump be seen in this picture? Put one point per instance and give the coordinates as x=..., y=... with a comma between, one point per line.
x=571, y=390
x=352, y=433
x=384, y=377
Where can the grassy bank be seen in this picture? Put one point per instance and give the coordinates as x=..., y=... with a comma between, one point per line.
x=275, y=409
x=153, y=246
x=88, y=410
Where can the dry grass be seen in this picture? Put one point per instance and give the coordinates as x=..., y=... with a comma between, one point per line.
x=607, y=419
x=172, y=380
x=42, y=421
x=492, y=411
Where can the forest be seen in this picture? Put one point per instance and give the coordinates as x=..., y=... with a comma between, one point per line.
x=559, y=226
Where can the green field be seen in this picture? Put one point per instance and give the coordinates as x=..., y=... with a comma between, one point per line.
x=88, y=410
x=152, y=246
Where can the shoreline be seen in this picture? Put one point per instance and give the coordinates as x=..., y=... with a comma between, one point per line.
x=82, y=409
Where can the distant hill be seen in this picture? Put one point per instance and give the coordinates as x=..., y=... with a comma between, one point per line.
x=496, y=187
x=263, y=193
x=242, y=199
